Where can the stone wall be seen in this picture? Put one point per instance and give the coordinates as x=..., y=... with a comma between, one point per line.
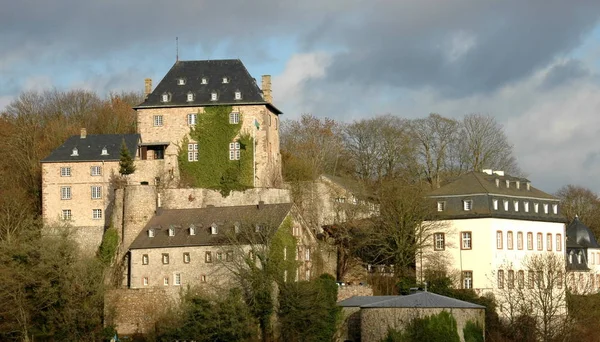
x=375, y=322
x=349, y=328
x=187, y=198
x=139, y=207
x=347, y=291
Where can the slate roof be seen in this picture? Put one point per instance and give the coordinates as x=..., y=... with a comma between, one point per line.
x=482, y=183
x=415, y=300
x=580, y=235
x=90, y=148
x=214, y=71
x=271, y=215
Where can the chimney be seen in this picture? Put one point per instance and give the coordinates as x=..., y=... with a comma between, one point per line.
x=266, y=88
x=83, y=133
x=261, y=205
x=147, y=87
x=487, y=171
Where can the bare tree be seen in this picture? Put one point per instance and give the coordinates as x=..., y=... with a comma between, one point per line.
x=581, y=202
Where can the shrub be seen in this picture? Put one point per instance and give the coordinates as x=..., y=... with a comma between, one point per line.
x=473, y=332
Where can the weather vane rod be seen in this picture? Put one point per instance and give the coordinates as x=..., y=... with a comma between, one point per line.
x=177, y=49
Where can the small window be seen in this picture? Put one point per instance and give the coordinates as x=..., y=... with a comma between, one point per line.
x=145, y=281
x=516, y=205
x=465, y=240
x=520, y=240
x=96, y=170
x=229, y=256
x=158, y=120
x=511, y=279
x=236, y=227
x=530, y=279
x=529, y=241
x=536, y=207
x=190, y=97
x=467, y=205
x=545, y=208
x=499, y=244
x=203, y=278
x=284, y=253
x=65, y=172
x=171, y=231
x=181, y=81
x=500, y=279
x=166, y=281
x=208, y=257
x=509, y=240
x=214, y=229
x=439, y=241
x=177, y=279
x=307, y=254
x=234, y=151
x=150, y=232
x=96, y=214
x=145, y=259
x=540, y=242
x=193, y=152
x=495, y=203
x=555, y=209
x=192, y=230
x=549, y=242
x=104, y=151
x=214, y=96
x=528, y=186
x=234, y=118
x=507, y=184
x=219, y=256
x=497, y=183
x=526, y=206
x=204, y=80
x=467, y=279
x=165, y=258
x=96, y=192
x=191, y=119
x=75, y=152
x=65, y=192
x=225, y=80
x=518, y=184
x=165, y=98
x=66, y=214
x=521, y=279
x=505, y=203
x=441, y=206
x=559, y=243
x=238, y=95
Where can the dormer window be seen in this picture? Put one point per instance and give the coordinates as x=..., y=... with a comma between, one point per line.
x=190, y=97
x=495, y=203
x=75, y=152
x=165, y=97
x=536, y=207
x=497, y=183
x=104, y=151
x=204, y=80
x=505, y=202
x=545, y=208
x=507, y=184
x=192, y=230
x=571, y=257
x=238, y=95
x=528, y=186
x=526, y=206
x=579, y=257
x=171, y=231
x=151, y=232
x=213, y=96
x=181, y=81
x=441, y=206
x=518, y=185
x=555, y=209
x=236, y=227
x=258, y=228
x=516, y=204
x=467, y=205
x=225, y=80
x=214, y=229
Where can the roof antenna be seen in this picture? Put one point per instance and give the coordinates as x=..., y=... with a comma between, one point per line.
x=176, y=49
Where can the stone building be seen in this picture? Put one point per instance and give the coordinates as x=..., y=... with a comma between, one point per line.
x=583, y=258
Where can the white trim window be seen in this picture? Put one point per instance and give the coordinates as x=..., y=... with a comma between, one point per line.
x=204, y=80
x=96, y=170
x=177, y=279
x=225, y=79
x=526, y=206
x=96, y=192
x=190, y=97
x=193, y=152
x=545, y=208
x=191, y=119
x=238, y=95
x=441, y=206
x=468, y=205
x=467, y=279
x=466, y=240
x=495, y=203
x=164, y=98
x=234, y=151
x=97, y=214
x=166, y=281
x=234, y=118
x=66, y=215
x=505, y=202
x=145, y=259
x=536, y=207
x=145, y=281
x=555, y=209
x=307, y=254
x=214, y=96
x=439, y=241
x=181, y=81
x=516, y=205
x=158, y=120
x=65, y=192
x=65, y=171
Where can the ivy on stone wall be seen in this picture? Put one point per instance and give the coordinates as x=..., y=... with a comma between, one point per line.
x=214, y=169
x=284, y=240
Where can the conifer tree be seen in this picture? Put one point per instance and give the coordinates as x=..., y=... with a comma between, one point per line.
x=126, y=166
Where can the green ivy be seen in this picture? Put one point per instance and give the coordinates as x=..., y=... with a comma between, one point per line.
x=283, y=239
x=108, y=247
x=214, y=170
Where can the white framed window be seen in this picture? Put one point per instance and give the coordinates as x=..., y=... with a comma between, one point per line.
x=177, y=279
x=219, y=256
x=284, y=253
x=166, y=281
x=96, y=214
x=559, y=245
x=186, y=258
x=285, y=276
x=181, y=81
x=165, y=258
x=307, y=254
x=208, y=257
x=507, y=184
x=65, y=171
x=214, y=229
x=65, y=192
x=465, y=240
x=75, y=152
x=66, y=214
x=171, y=231
x=540, y=242
x=225, y=79
x=467, y=279
x=509, y=240
x=238, y=95
x=190, y=97
x=441, y=206
x=145, y=259
x=495, y=203
x=545, y=208
x=158, y=120
x=96, y=192
x=555, y=209
x=145, y=281
x=192, y=230
x=468, y=205
x=500, y=279
x=526, y=206
x=191, y=119
x=520, y=240
x=536, y=207
x=234, y=117
x=549, y=242
x=203, y=278
x=439, y=241
x=151, y=232
x=530, y=241
x=104, y=151
x=96, y=170
x=516, y=205
x=505, y=203
x=192, y=152
x=164, y=98
x=234, y=151
x=214, y=96
x=499, y=244
x=204, y=80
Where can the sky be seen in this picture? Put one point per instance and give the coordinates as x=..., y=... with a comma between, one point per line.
x=533, y=65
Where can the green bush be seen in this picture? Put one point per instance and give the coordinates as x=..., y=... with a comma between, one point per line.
x=108, y=248
x=435, y=328
x=473, y=332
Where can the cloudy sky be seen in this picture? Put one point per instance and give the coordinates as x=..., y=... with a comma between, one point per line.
x=534, y=65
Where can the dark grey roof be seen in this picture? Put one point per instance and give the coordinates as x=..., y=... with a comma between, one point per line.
x=192, y=73
x=363, y=300
x=422, y=300
x=576, y=265
x=248, y=216
x=90, y=148
x=578, y=234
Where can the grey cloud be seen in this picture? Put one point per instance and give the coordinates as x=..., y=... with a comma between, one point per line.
x=561, y=73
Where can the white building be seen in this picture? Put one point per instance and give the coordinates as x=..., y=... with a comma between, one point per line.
x=583, y=258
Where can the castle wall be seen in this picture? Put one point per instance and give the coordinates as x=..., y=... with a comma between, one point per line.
x=140, y=206
x=187, y=198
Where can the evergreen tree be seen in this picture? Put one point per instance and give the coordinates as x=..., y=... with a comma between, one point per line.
x=126, y=166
